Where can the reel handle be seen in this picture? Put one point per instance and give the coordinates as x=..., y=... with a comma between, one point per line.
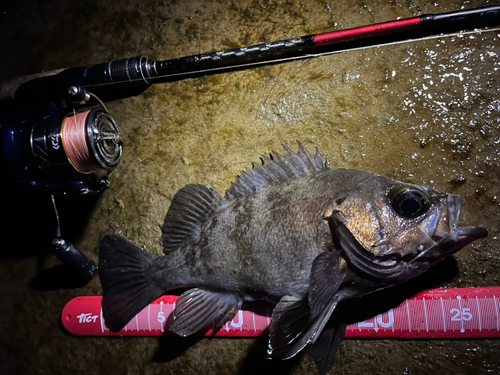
x=71, y=256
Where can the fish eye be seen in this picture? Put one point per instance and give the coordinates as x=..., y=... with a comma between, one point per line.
x=409, y=201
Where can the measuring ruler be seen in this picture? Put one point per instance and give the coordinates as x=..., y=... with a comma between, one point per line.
x=437, y=313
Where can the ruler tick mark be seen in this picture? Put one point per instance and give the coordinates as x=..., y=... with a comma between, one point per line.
x=161, y=311
x=459, y=299
x=426, y=319
x=496, y=312
x=149, y=317
x=102, y=321
x=267, y=315
x=408, y=311
x=173, y=309
x=442, y=310
x=478, y=314
x=253, y=316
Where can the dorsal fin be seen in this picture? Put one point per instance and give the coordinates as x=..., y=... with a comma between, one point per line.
x=190, y=207
x=276, y=169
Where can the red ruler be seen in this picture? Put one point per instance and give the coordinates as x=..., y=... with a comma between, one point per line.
x=437, y=313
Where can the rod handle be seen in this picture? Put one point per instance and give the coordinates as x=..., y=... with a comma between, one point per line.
x=135, y=69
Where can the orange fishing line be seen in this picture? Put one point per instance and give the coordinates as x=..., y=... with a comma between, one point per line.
x=75, y=143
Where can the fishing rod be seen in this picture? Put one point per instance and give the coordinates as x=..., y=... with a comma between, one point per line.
x=112, y=79
x=57, y=150
x=54, y=142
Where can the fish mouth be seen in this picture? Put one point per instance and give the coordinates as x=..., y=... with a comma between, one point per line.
x=447, y=237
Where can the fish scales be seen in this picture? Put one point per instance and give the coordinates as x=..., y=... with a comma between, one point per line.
x=291, y=231
x=274, y=234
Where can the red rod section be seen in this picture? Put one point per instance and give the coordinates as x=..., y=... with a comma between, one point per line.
x=358, y=33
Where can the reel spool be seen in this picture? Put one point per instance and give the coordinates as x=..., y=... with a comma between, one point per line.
x=64, y=153
x=87, y=142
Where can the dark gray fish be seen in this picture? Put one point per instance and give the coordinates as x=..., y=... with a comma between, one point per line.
x=291, y=231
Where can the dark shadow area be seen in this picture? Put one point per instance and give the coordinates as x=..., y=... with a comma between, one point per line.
x=172, y=347
x=30, y=222
x=28, y=219
x=352, y=311
x=379, y=302
x=256, y=362
x=355, y=311
x=29, y=226
x=58, y=277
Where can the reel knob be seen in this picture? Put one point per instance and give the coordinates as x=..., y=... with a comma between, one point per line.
x=69, y=255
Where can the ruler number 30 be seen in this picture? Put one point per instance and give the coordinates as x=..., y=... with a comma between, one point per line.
x=458, y=315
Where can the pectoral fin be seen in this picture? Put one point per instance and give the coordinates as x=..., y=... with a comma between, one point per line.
x=327, y=275
x=197, y=308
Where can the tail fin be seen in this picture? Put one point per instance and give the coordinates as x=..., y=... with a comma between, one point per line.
x=125, y=273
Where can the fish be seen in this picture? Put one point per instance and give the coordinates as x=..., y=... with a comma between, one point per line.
x=292, y=231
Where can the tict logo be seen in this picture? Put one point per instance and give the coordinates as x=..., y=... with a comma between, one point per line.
x=87, y=318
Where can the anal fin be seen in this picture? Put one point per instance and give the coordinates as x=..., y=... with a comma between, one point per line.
x=292, y=326
x=298, y=321
x=324, y=350
x=289, y=319
x=197, y=308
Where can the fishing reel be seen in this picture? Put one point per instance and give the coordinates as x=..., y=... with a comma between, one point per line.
x=58, y=151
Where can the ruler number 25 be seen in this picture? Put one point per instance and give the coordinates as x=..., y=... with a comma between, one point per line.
x=458, y=315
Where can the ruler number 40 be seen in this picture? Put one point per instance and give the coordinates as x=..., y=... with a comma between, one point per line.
x=458, y=315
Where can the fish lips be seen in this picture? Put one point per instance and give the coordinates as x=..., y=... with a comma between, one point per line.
x=450, y=244
x=447, y=236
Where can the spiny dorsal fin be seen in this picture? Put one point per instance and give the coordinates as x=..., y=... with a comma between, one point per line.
x=190, y=207
x=276, y=169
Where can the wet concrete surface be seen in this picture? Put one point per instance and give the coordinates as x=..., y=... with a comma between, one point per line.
x=427, y=112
